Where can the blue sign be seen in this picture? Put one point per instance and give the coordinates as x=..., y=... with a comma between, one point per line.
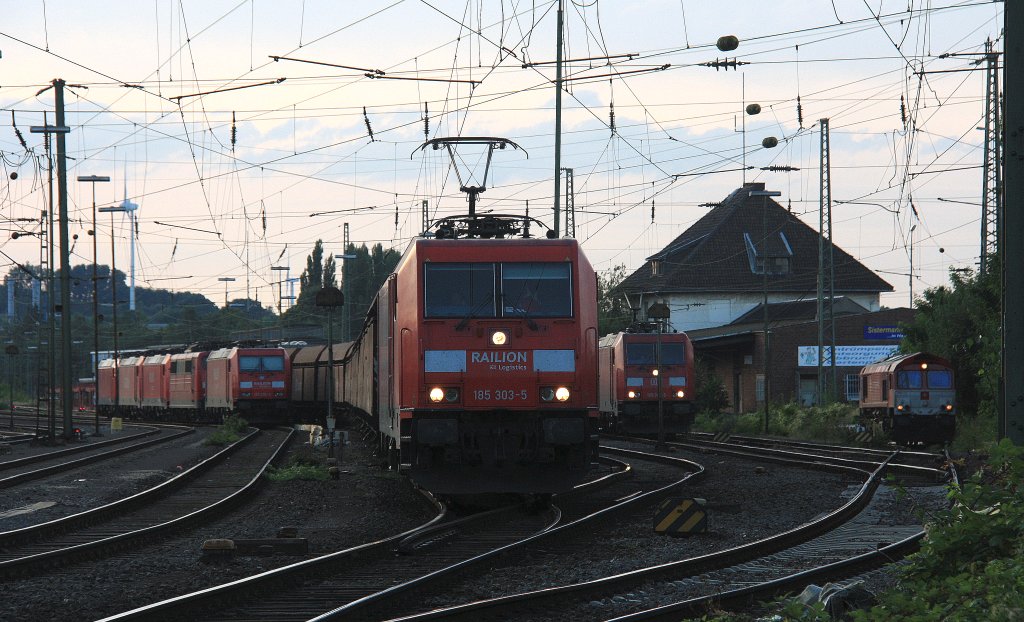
x=883, y=332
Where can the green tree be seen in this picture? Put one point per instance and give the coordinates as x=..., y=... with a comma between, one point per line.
x=365, y=274
x=312, y=279
x=961, y=322
x=613, y=314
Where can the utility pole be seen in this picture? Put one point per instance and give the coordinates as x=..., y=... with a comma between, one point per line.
x=95, y=360
x=558, y=119
x=346, y=315
x=65, y=248
x=1011, y=237
x=991, y=193
x=570, y=204
x=826, y=270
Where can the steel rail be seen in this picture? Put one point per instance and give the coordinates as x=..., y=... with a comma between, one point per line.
x=27, y=564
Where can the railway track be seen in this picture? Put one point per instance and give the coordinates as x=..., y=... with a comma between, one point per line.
x=431, y=555
x=21, y=470
x=850, y=532
x=210, y=487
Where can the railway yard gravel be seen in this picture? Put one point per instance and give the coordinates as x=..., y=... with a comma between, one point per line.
x=366, y=504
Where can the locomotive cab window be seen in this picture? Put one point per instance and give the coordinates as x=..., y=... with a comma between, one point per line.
x=260, y=363
x=909, y=379
x=458, y=290
x=647, y=354
x=536, y=290
x=471, y=290
x=940, y=379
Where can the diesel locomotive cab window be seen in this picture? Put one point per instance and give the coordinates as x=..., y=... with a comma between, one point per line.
x=536, y=290
x=459, y=290
x=647, y=354
x=940, y=379
x=908, y=379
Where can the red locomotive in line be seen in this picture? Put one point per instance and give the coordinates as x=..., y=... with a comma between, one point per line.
x=198, y=386
x=478, y=364
x=913, y=396
x=634, y=365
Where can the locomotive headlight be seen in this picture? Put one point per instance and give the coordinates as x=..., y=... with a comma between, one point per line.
x=924, y=365
x=949, y=407
x=680, y=394
x=547, y=394
x=899, y=407
x=654, y=372
x=632, y=394
x=436, y=394
x=562, y=394
x=451, y=395
x=499, y=338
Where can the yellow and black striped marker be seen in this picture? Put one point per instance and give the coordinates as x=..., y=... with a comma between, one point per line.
x=681, y=517
x=722, y=437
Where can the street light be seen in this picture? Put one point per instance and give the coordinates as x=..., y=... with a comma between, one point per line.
x=764, y=194
x=226, y=280
x=126, y=207
x=330, y=298
x=94, y=363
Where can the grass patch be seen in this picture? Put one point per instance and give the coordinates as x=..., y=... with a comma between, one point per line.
x=229, y=432
x=309, y=472
x=830, y=424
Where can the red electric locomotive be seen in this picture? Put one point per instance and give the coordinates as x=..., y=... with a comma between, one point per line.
x=486, y=365
x=105, y=386
x=187, y=385
x=155, y=394
x=912, y=395
x=633, y=365
x=252, y=382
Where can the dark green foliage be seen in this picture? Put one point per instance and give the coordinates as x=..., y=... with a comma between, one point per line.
x=312, y=277
x=971, y=565
x=364, y=275
x=233, y=428
x=613, y=314
x=711, y=396
x=961, y=322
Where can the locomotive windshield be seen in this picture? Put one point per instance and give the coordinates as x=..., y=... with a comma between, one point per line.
x=647, y=354
x=940, y=379
x=909, y=379
x=465, y=290
x=260, y=363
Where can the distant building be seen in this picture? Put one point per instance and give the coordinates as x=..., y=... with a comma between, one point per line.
x=713, y=279
x=713, y=273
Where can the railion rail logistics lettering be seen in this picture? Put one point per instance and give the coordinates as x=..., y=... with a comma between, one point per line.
x=498, y=356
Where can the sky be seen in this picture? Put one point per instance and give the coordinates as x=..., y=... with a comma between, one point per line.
x=246, y=130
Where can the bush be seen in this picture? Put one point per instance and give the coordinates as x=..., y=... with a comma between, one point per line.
x=229, y=432
x=970, y=566
x=710, y=396
x=833, y=423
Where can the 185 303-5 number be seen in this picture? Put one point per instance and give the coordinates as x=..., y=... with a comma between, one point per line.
x=500, y=395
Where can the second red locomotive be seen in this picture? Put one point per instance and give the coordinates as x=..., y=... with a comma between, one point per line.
x=634, y=367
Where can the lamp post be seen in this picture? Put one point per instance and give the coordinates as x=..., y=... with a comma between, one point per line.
x=764, y=194
x=12, y=351
x=330, y=298
x=226, y=280
x=125, y=207
x=94, y=362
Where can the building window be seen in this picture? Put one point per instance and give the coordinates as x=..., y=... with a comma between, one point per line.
x=852, y=384
x=655, y=267
x=772, y=255
x=759, y=387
